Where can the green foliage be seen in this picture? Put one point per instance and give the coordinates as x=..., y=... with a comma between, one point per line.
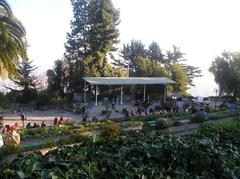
x=8, y=149
x=26, y=81
x=226, y=71
x=112, y=130
x=161, y=123
x=93, y=37
x=57, y=80
x=179, y=75
x=13, y=41
x=213, y=152
x=198, y=117
x=43, y=99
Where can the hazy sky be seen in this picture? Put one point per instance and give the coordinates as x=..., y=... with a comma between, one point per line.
x=201, y=28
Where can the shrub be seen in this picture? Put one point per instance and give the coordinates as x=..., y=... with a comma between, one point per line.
x=9, y=149
x=112, y=130
x=161, y=123
x=208, y=109
x=199, y=117
x=43, y=99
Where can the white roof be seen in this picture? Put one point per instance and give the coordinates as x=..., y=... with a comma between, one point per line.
x=127, y=80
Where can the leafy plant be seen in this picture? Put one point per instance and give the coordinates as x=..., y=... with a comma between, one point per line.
x=161, y=123
x=112, y=130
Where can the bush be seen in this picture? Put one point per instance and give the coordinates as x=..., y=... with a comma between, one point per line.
x=9, y=149
x=161, y=123
x=43, y=99
x=199, y=117
x=208, y=109
x=112, y=130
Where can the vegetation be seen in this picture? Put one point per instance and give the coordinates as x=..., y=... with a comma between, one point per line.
x=13, y=41
x=93, y=37
x=26, y=83
x=212, y=152
x=226, y=71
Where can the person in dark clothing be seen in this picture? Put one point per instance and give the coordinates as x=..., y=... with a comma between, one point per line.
x=113, y=103
x=55, y=122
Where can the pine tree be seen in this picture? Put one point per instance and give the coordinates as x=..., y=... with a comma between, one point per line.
x=92, y=39
x=57, y=84
x=26, y=82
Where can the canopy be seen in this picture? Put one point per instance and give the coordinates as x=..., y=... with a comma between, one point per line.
x=128, y=80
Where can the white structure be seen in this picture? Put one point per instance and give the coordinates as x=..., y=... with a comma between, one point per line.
x=97, y=81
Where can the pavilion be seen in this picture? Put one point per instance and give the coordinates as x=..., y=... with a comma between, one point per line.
x=123, y=81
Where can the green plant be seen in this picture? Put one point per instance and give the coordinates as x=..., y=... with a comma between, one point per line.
x=112, y=130
x=161, y=123
x=8, y=149
x=199, y=118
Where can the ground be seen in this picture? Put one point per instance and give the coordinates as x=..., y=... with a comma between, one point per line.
x=36, y=116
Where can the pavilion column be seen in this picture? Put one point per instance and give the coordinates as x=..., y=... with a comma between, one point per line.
x=85, y=91
x=144, y=92
x=165, y=93
x=96, y=100
x=121, y=100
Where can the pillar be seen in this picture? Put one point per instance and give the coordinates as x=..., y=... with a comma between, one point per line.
x=96, y=103
x=144, y=93
x=165, y=93
x=121, y=101
x=85, y=92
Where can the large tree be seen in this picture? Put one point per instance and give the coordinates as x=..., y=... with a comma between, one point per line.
x=226, y=71
x=26, y=82
x=57, y=80
x=130, y=54
x=175, y=56
x=12, y=41
x=92, y=39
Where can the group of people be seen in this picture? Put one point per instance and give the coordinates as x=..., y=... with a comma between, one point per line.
x=9, y=135
x=59, y=122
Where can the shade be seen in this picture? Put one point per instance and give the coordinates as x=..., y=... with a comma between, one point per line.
x=128, y=80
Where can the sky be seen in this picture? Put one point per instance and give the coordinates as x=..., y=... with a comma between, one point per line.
x=201, y=28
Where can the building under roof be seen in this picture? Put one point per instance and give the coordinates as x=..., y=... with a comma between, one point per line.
x=97, y=81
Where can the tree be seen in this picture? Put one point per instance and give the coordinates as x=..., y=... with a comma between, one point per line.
x=12, y=41
x=180, y=77
x=226, y=71
x=103, y=35
x=175, y=56
x=57, y=84
x=129, y=55
x=155, y=53
x=92, y=39
x=26, y=82
x=147, y=68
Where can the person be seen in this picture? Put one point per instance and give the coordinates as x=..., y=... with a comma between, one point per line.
x=113, y=103
x=22, y=116
x=55, y=122
x=151, y=111
x=132, y=113
x=43, y=124
x=60, y=121
x=109, y=114
x=14, y=127
x=193, y=109
x=83, y=110
x=1, y=140
x=15, y=137
x=28, y=126
x=94, y=119
x=4, y=131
